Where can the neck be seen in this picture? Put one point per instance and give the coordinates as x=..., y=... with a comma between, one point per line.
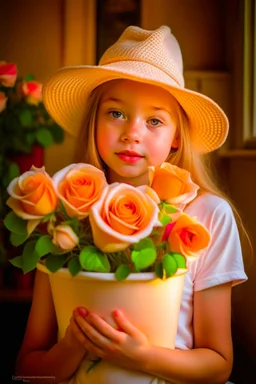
x=135, y=181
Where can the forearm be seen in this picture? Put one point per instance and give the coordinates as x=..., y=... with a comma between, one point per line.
x=57, y=364
x=187, y=366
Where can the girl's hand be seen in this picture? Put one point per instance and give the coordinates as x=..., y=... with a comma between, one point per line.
x=124, y=346
x=72, y=337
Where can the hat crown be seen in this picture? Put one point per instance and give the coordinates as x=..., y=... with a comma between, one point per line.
x=158, y=48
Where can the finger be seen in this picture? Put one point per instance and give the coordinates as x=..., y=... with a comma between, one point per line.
x=105, y=328
x=80, y=335
x=81, y=311
x=124, y=324
x=91, y=331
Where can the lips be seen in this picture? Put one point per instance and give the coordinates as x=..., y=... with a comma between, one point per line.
x=129, y=153
x=129, y=156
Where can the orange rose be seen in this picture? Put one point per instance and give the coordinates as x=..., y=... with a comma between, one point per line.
x=8, y=74
x=187, y=236
x=33, y=91
x=79, y=186
x=3, y=100
x=123, y=216
x=64, y=237
x=32, y=195
x=172, y=184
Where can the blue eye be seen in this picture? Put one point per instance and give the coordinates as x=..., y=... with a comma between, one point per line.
x=155, y=122
x=116, y=114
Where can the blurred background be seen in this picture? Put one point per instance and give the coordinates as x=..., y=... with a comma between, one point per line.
x=217, y=38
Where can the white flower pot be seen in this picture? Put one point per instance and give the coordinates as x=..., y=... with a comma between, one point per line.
x=149, y=303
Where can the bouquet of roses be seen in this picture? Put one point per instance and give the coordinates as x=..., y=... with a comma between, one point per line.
x=77, y=220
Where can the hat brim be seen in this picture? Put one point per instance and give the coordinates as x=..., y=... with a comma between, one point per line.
x=66, y=93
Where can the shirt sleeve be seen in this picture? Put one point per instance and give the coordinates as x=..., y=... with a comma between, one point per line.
x=222, y=261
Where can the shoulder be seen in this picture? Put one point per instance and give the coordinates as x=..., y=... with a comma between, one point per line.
x=210, y=203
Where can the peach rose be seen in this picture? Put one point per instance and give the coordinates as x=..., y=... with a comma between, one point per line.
x=122, y=216
x=3, y=100
x=172, y=184
x=64, y=237
x=186, y=236
x=32, y=90
x=79, y=186
x=32, y=195
x=8, y=74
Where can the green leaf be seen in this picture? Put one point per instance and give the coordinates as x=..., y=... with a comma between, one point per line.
x=169, y=208
x=143, y=254
x=122, y=272
x=55, y=262
x=93, y=260
x=180, y=260
x=26, y=117
x=30, y=257
x=44, y=245
x=159, y=270
x=16, y=261
x=170, y=265
x=57, y=133
x=50, y=216
x=44, y=137
x=15, y=224
x=165, y=219
x=29, y=77
x=16, y=239
x=13, y=171
x=74, y=266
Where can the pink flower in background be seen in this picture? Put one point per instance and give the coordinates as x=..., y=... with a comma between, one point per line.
x=3, y=100
x=32, y=90
x=8, y=74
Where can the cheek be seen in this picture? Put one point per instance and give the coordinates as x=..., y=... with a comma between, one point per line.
x=104, y=140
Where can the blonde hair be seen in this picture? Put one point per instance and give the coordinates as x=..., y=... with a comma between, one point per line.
x=199, y=166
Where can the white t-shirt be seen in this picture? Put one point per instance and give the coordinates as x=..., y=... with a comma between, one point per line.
x=220, y=263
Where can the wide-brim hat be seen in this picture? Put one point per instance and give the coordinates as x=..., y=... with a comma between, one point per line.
x=151, y=57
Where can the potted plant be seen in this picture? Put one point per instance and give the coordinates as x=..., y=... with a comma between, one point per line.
x=108, y=246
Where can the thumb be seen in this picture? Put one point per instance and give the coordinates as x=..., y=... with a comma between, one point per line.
x=124, y=325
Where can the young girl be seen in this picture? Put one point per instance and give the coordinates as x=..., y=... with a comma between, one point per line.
x=134, y=112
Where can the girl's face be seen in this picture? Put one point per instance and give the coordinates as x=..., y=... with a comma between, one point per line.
x=135, y=129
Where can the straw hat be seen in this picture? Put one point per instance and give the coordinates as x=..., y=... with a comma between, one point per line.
x=151, y=57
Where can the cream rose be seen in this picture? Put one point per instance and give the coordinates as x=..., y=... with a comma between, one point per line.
x=64, y=237
x=32, y=196
x=122, y=216
x=187, y=236
x=79, y=186
x=172, y=184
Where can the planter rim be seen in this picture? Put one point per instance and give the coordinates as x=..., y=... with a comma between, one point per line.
x=99, y=276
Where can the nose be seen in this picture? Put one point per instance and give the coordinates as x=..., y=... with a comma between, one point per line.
x=132, y=132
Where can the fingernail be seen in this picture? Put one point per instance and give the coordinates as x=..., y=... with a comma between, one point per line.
x=116, y=312
x=82, y=312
